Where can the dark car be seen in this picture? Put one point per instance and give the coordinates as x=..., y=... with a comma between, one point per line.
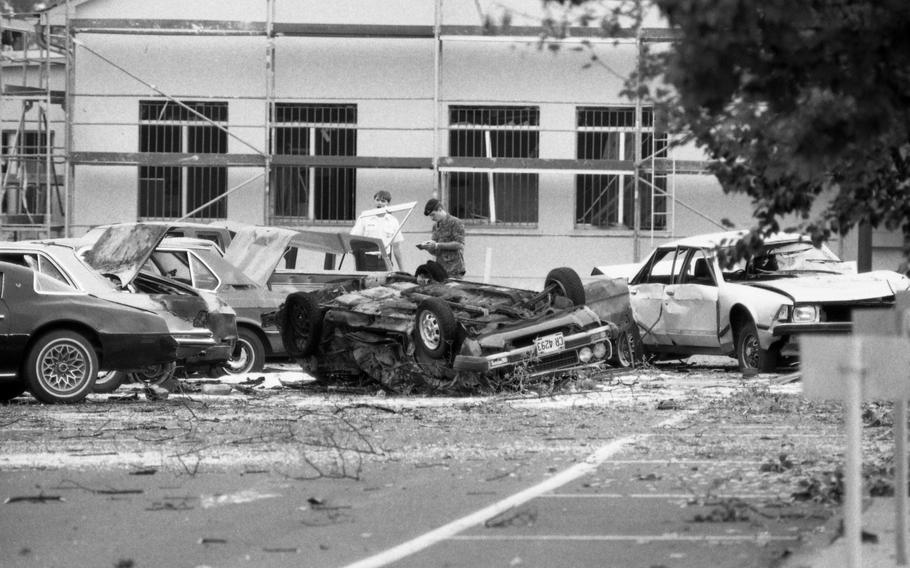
x=435, y=332
x=204, y=327
x=54, y=338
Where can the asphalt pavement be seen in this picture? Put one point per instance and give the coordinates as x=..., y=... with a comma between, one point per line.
x=879, y=547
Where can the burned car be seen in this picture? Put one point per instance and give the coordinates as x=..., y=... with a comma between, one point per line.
x=203, y=326
x=686, y=301
x=54, y=338
x=416, y=331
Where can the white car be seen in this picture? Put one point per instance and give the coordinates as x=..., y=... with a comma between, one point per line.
x=686, y=302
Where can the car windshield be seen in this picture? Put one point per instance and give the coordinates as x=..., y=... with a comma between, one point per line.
x=794, y=257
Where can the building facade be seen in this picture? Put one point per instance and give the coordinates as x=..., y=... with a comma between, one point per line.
x=294, y=112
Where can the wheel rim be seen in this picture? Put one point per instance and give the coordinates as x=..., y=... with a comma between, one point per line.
x=750, y=351
x=624, y=350
x=429, y=330
x=241, y=360
x=104, y=377
x=63, y=367
x=155, y=374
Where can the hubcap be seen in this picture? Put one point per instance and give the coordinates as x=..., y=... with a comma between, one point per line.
x=241, y=360
x=750, y=351
x=429, y=330
x=63, y=367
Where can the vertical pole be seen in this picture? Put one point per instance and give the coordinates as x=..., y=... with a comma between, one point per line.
x=636, y=171
x=853, y=505
x=900, y=481
x=437, y=78
x=68, y=110
x=269, y=107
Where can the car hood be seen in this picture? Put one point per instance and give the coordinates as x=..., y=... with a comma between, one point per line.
x=121, y=250
x=258, y=250
x=838, y=287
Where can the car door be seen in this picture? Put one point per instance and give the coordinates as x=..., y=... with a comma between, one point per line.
x=690, y=303
x=647, y=294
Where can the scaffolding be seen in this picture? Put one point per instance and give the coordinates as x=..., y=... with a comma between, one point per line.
x=32, y=184
x=26, y=185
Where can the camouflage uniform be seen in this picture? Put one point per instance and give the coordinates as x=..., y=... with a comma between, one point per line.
x=449, y=230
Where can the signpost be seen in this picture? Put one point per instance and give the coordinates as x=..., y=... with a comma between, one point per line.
x=871, y=364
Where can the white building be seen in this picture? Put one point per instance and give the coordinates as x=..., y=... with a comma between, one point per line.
x=294, y=112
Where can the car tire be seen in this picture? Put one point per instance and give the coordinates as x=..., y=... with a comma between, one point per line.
x=161, y=375
x=61, y=367
x=624, y=352
x=108, y=381
x=248, y=356
x=11, y=389
x=301, y=325
x=749, y=354
x=435, y=328
x=433, y=271
x=567, y=283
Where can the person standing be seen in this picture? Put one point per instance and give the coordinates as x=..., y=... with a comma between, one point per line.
x=382, y=226
x=447, y=244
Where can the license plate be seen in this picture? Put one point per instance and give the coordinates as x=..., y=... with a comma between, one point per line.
x=550, y=344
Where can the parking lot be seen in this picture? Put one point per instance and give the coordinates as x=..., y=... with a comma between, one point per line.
x=668, y=466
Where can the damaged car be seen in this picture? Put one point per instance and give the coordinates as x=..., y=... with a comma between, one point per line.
x=203, y=326
x=431, y=332
x=55, y=338
x=686, y=299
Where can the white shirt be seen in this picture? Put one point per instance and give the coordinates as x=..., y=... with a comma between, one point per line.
x=383, y=227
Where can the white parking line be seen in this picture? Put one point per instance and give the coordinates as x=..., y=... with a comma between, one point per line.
x=643, y=538
x=450, y=530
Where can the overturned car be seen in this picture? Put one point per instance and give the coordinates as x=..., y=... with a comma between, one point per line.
x=430, y=332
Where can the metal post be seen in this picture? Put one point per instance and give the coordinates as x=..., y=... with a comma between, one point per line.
x=636, y=198
x=900, y=480
x=68, y=170
x=853, y=497
x=437, y=78
x=269, y=144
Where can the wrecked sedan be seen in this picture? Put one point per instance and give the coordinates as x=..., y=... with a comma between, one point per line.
x=453, y=334
x=54, y=338
x=686, y=302
x=203, y=326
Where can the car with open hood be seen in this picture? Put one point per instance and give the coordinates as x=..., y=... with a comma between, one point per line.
x=108, y=267
x=686, y=298
x=55, y=338
x=429, y=331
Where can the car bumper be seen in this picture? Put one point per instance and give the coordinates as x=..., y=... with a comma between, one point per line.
x=821, y=327
x=565, y=358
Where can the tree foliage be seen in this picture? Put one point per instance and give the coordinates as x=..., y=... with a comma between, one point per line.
x=790, y=100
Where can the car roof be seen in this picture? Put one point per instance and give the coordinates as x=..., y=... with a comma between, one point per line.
x=729, y=238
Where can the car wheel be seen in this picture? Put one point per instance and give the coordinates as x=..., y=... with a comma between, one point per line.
x=624, y=354
x=108, y=381
x=61, y=367
x=749, y=353
x=161, y=375
x=436, y=329
x=11, y=389
x=567, y=283
x=301, y=325
x=248, y=356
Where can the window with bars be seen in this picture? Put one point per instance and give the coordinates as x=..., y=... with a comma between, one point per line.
x=606, y=200
x=314, y=194
x=174, y=191
x=492, y=197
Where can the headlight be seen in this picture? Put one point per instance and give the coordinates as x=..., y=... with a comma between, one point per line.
x=600, y=350
x=805, y=314
x=585, y=354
